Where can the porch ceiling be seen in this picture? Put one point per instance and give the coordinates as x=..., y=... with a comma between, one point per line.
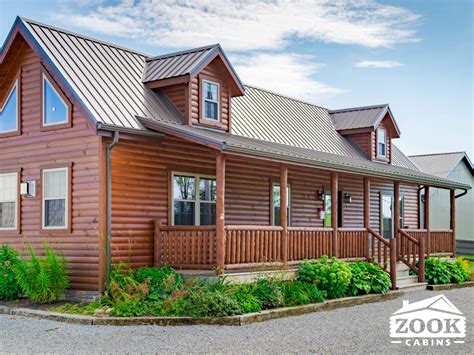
x=258, y=148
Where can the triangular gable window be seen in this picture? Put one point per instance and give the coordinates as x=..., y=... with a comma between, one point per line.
x=55, y=109
x=9, y=111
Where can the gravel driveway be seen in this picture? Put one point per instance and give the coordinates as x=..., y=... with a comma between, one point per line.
x=358, y=329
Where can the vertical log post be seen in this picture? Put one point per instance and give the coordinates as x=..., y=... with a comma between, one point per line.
x=367, y=214
x=284, y=213
x=220, y=213
x=427, y=220
x=396, y=213
x=334, y=204
x=157, y=245
x=452, y=219
x=393, y=262
x=421, y=262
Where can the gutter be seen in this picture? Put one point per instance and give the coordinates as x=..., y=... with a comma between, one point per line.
x=461, y=194
x=108, y=162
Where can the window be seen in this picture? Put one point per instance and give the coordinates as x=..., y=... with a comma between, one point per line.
x=381, y=143
x=386, y=215
x=55, y=109
x=189, y=208
x=402, y=212
x=9, y=111
x=277, y=203
x=210, y=100
x=8, y=201
x=328, y=211
x=55, y=198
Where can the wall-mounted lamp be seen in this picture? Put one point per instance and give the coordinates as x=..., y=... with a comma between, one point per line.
x=347, y=198
x=320, y=195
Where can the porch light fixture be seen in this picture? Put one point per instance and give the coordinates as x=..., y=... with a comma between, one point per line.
x=320, y=195
x=347, y=198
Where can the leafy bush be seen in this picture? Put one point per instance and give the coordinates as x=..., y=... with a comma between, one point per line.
x=268, y=293
x=368, y=278
x=42, y=279
x=9, y=288
x=247, y=301
x=298, y=293
x=213, y=303
x=439, y=271
x=332, y=277
x=161, y=280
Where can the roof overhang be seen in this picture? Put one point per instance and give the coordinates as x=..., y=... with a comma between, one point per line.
x=218, y=141
x=388, y=113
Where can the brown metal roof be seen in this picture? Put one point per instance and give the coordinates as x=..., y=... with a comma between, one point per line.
x=440, y=164
x=243, y=145
x=361, y=117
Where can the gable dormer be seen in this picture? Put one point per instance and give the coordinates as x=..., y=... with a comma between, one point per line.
x=371, y=128
x=199, y=82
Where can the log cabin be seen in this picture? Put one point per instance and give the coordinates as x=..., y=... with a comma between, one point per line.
x=110, y=155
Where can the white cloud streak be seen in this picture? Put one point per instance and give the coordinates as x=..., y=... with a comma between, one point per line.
x=241, y=25
x=286, y=73
x=378, y=64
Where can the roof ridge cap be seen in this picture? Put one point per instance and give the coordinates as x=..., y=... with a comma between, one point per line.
x=433, y=154
x=358, y=108
x=77, y=34
x=184, y=51
x=285, y=96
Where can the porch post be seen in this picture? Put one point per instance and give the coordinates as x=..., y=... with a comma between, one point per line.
x=452, y=219
x=427, y=220
x=284, y=213
x=220, y=214
x=367, y=214
x=396, y=212
x=334, y=203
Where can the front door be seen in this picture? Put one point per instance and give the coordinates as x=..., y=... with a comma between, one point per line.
x=386, y=216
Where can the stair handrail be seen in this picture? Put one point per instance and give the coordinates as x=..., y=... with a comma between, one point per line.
x=392, y=248
x=420, y=269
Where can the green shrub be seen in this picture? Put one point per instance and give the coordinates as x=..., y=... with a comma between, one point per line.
x=9, y=288
x=42, y=279
x=332, y=277
x=368, y=278
x=247, y=301
x=268, y=293
x=298, y=293
x=81, y=308
x=212, y=304
x=161, y=281
x=439, y=271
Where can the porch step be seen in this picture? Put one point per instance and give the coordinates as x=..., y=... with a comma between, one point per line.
x=406, y=280
x=419, y=286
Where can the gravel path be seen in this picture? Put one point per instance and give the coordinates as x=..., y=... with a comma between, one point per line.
x=358, y=329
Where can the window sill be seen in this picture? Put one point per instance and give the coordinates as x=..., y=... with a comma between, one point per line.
x=54, y=231
x=10, y=232
x=55, y=127
x=10, y=134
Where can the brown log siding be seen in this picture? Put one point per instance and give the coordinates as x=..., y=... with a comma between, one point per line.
x=32, y=149
x=177, y=95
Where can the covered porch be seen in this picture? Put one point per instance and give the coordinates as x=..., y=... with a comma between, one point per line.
x=357, y=229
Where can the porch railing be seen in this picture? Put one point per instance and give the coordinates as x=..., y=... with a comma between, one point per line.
x=353, y=243
x=384, y=253
x=309, y=243
x=412, y=252
x=192, y=247
x=247, y=246
x=437, y=241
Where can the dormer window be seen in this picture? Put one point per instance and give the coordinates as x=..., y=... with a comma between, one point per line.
x=9, y=111
x=211, y=94
x=381, y=143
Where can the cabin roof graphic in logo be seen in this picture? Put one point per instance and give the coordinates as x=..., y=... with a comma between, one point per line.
x=435, y=317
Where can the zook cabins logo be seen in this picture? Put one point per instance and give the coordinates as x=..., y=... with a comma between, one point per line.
x=431, y=322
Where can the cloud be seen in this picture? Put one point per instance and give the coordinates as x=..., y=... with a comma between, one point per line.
x=289, y=74
x=384, y=64
x=241, y=25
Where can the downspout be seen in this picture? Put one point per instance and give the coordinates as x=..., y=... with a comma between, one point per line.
x=108, y=162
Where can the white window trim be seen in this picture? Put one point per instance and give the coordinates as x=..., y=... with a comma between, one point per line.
x=384, y=143
x=218, y=102
x=15, y=227
x=15, y=86
x=197, y=198
x=44, y=199
x=44, y=106
x=272, y=212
